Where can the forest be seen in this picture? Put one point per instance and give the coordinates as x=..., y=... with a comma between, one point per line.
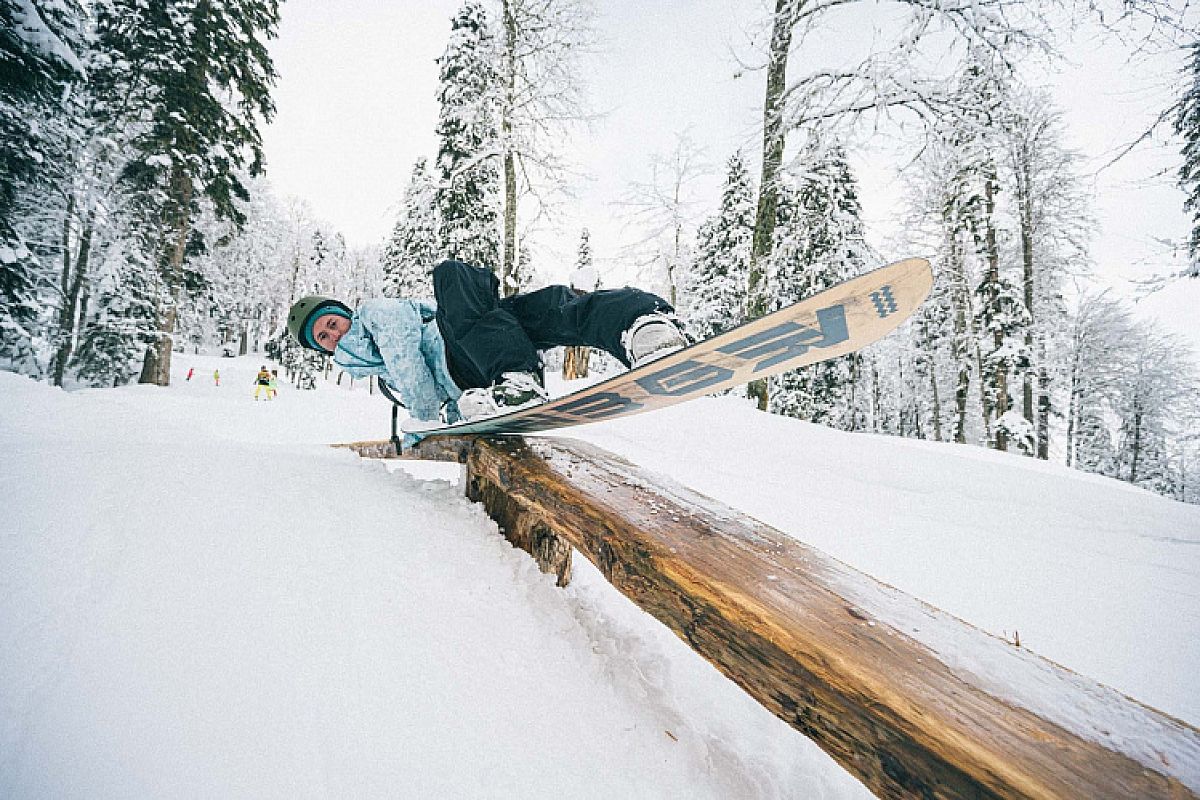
x=137, y=218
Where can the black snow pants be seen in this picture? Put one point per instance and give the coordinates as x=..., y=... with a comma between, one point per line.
x=487, y=335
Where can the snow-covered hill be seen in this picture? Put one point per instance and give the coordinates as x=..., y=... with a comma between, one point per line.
x=198, y=597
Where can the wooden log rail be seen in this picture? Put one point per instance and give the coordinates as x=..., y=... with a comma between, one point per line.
x=912, y=701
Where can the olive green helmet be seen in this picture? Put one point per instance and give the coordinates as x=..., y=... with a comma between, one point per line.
x=304, y=313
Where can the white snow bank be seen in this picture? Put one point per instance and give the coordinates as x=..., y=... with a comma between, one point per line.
x=197, y=597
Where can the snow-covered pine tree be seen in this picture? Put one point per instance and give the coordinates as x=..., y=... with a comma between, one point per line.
x=413, y=249
x=245, y=270
x=40, y=45
x=1053, y=227
x=1152, y=394
x=583, y=258
x=468, y=162
x=715, y=289
x=1096, y=358
x=819, y=242
x=1000, y=313
x=364, y=265
x=1187, y=125
x=115, y=333
x=198, y=74
x=945, y=346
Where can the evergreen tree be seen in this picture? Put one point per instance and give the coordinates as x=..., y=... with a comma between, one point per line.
x=194, y=82
x=40, y=43
x=243, y=293
x=1000, y=315
x=715, y=288
x=945, y=329
x=1187, y=125
x=115, y=336
x=1096, y=359
x=468, y=192
x=1052, y=226
x=583, y=259
x=413, y=249
x=1152, y=394
x=819, y=243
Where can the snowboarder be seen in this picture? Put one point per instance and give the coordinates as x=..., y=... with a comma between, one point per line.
x=471, y=354
x=262, y=383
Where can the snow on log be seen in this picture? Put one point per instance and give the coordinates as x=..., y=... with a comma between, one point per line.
x=909, y=699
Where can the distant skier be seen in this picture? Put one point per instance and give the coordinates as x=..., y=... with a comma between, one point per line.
x=273, y=384
x=471, y=354
x=190, y=371
x=262, y=382
x=217, y=377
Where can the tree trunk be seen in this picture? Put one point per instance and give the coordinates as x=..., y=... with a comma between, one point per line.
x=58, y=366
x=673, y=264
x=937, y=403
x=1137, y=447
x=1072, y=410
x=985, y=400
x=1027, y=265
x=768, y=190
x=960, y=297
x=575, y=362
x=1135, y=455
x=1043, y=409
x=179, y=221
x=993, y=259
x=509, y=280
x=69, y=315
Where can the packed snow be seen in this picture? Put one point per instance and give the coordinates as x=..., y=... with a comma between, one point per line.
x=199, y=597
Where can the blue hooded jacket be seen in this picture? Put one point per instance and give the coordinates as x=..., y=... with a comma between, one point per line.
x=399, y=340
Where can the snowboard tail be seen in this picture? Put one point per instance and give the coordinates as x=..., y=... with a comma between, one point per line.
x=832, y=323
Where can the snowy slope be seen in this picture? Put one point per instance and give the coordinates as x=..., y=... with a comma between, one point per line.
x=198, y=597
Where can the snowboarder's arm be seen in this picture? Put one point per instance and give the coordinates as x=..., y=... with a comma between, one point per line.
x=395, y=325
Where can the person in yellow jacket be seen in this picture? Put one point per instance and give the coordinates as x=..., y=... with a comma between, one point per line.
x=262, y=383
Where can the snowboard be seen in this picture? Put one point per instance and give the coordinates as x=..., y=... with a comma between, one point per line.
x=832, y=323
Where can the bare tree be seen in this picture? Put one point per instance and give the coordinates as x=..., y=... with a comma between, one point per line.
x=888, y=78
x=542, y=98
x=665, y=210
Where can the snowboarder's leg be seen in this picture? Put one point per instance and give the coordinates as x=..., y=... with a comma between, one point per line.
x=483, y=339
x=557, y=315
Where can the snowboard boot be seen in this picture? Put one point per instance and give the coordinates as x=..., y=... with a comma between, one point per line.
x=514, y=391
x=652, y=336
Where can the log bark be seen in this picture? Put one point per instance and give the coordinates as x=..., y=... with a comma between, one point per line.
x=915, y=703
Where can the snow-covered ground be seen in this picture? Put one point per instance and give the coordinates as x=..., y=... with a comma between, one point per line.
x=199, y=598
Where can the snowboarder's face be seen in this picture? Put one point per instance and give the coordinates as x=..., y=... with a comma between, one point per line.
x=329, y=329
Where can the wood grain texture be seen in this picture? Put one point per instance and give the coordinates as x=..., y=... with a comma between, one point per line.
x=829, y=650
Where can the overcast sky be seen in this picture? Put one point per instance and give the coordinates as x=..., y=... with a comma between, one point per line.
x=356, y=108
